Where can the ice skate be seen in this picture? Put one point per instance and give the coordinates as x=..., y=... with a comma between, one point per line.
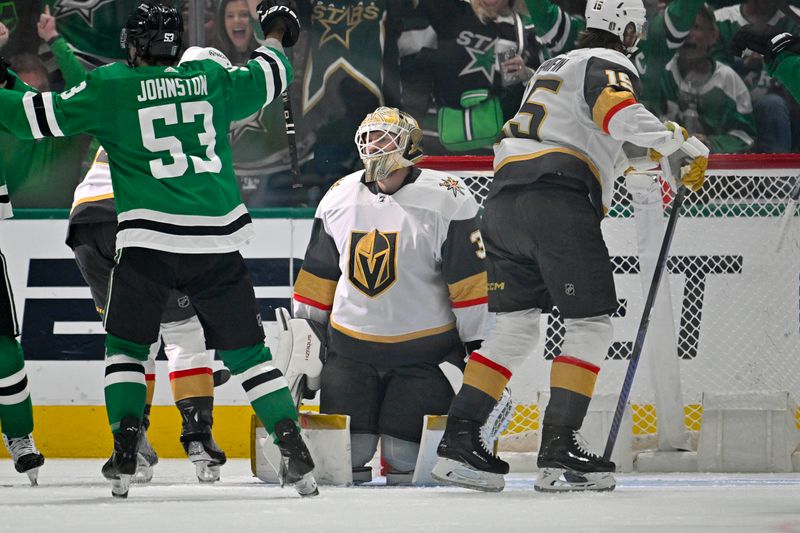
x=465, y=459
x=565, y=464
x=146, y=458
x=206, y=457
x=296, y=463
x=27, y=459
x=197, y=440
x=121, y=466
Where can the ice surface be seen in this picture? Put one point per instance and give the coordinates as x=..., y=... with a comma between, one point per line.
x=72, y=496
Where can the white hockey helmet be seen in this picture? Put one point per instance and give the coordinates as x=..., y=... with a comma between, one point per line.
x=614, y=16
x=198, y=53
x=397, y=146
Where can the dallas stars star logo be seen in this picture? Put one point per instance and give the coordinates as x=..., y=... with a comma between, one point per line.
x=85, y=8
x=251, y=123
x=452, y=184
x=339, y=23
x=482, y=61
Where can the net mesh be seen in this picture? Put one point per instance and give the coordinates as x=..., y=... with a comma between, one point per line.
x=735, y=287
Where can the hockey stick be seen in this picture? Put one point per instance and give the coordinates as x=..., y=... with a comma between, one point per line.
x=788, y=212
x=638, y=345
x=288, y=118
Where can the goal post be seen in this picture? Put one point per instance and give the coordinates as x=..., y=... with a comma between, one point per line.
x=734, y=287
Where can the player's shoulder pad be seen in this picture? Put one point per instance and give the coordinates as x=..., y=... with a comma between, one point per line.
x=343, y=190
x=444, y=193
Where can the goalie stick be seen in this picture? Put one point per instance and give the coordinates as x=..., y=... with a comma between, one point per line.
x=638, y=345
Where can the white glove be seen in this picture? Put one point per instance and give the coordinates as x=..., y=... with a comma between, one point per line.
x=300, y=352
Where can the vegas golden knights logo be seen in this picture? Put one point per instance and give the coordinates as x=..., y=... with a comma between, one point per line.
x=372, y=265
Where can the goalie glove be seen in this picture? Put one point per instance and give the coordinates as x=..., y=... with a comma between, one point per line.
x=300, y=353
x=280, y=15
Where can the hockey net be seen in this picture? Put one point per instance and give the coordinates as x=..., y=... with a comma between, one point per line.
x=735, y=285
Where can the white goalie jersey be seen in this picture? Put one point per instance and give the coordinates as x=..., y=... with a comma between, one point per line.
x=577, y=111
x=399, y=278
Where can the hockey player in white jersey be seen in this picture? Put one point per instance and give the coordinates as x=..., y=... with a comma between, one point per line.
x=554, y=173
x=395, y=268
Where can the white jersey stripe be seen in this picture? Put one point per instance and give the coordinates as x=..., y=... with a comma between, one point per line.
x=116, y=378
x=184, y=220
x=30, y=114
x=49, y=112
x=13, y=379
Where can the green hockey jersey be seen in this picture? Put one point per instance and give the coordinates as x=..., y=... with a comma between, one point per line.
x=721, y=106
x=165, y=131
x=729, y=20
x=13, y=84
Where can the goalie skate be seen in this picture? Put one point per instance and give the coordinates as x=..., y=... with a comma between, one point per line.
x=562, y=480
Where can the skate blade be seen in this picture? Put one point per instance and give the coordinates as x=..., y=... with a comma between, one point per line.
x=120, y=486
x=306, y=487
x=455, y=473
x=562, y=480
x=206, y=472
x=33, y=476
x=144, y=472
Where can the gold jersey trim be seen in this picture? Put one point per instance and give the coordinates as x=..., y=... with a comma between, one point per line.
x=393, y=338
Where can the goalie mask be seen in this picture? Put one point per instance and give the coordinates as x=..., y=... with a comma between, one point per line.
x=622, y=18
x=387, y=140
x=154, y=31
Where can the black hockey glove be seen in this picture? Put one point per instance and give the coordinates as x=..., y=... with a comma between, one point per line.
x=765, y=40
x=280, y=15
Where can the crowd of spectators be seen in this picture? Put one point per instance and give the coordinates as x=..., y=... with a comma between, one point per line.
x=458, y=66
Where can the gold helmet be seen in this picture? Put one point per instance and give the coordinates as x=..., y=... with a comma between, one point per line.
x=397, y=144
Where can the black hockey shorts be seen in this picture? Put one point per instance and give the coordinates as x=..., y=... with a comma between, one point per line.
x=94, y=247
x=544, y=247
x=8, y=314
x=218, y=285
x=390, y=402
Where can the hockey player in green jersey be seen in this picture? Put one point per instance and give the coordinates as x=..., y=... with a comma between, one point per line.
x=706, y=96
x=181, y=220
x=781, y=51
x=16, y=411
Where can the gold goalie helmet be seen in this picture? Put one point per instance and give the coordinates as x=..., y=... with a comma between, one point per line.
x=388, y=139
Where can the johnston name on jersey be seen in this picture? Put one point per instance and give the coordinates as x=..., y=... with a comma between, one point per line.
x=578, y=110
x=400, y=278
x=165, y=131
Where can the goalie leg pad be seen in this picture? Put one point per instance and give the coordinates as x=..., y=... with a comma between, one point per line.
x=400, y=454
x=362, y=448
x=300, y=352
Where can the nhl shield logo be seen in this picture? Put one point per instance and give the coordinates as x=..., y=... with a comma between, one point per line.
x=372, y=265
